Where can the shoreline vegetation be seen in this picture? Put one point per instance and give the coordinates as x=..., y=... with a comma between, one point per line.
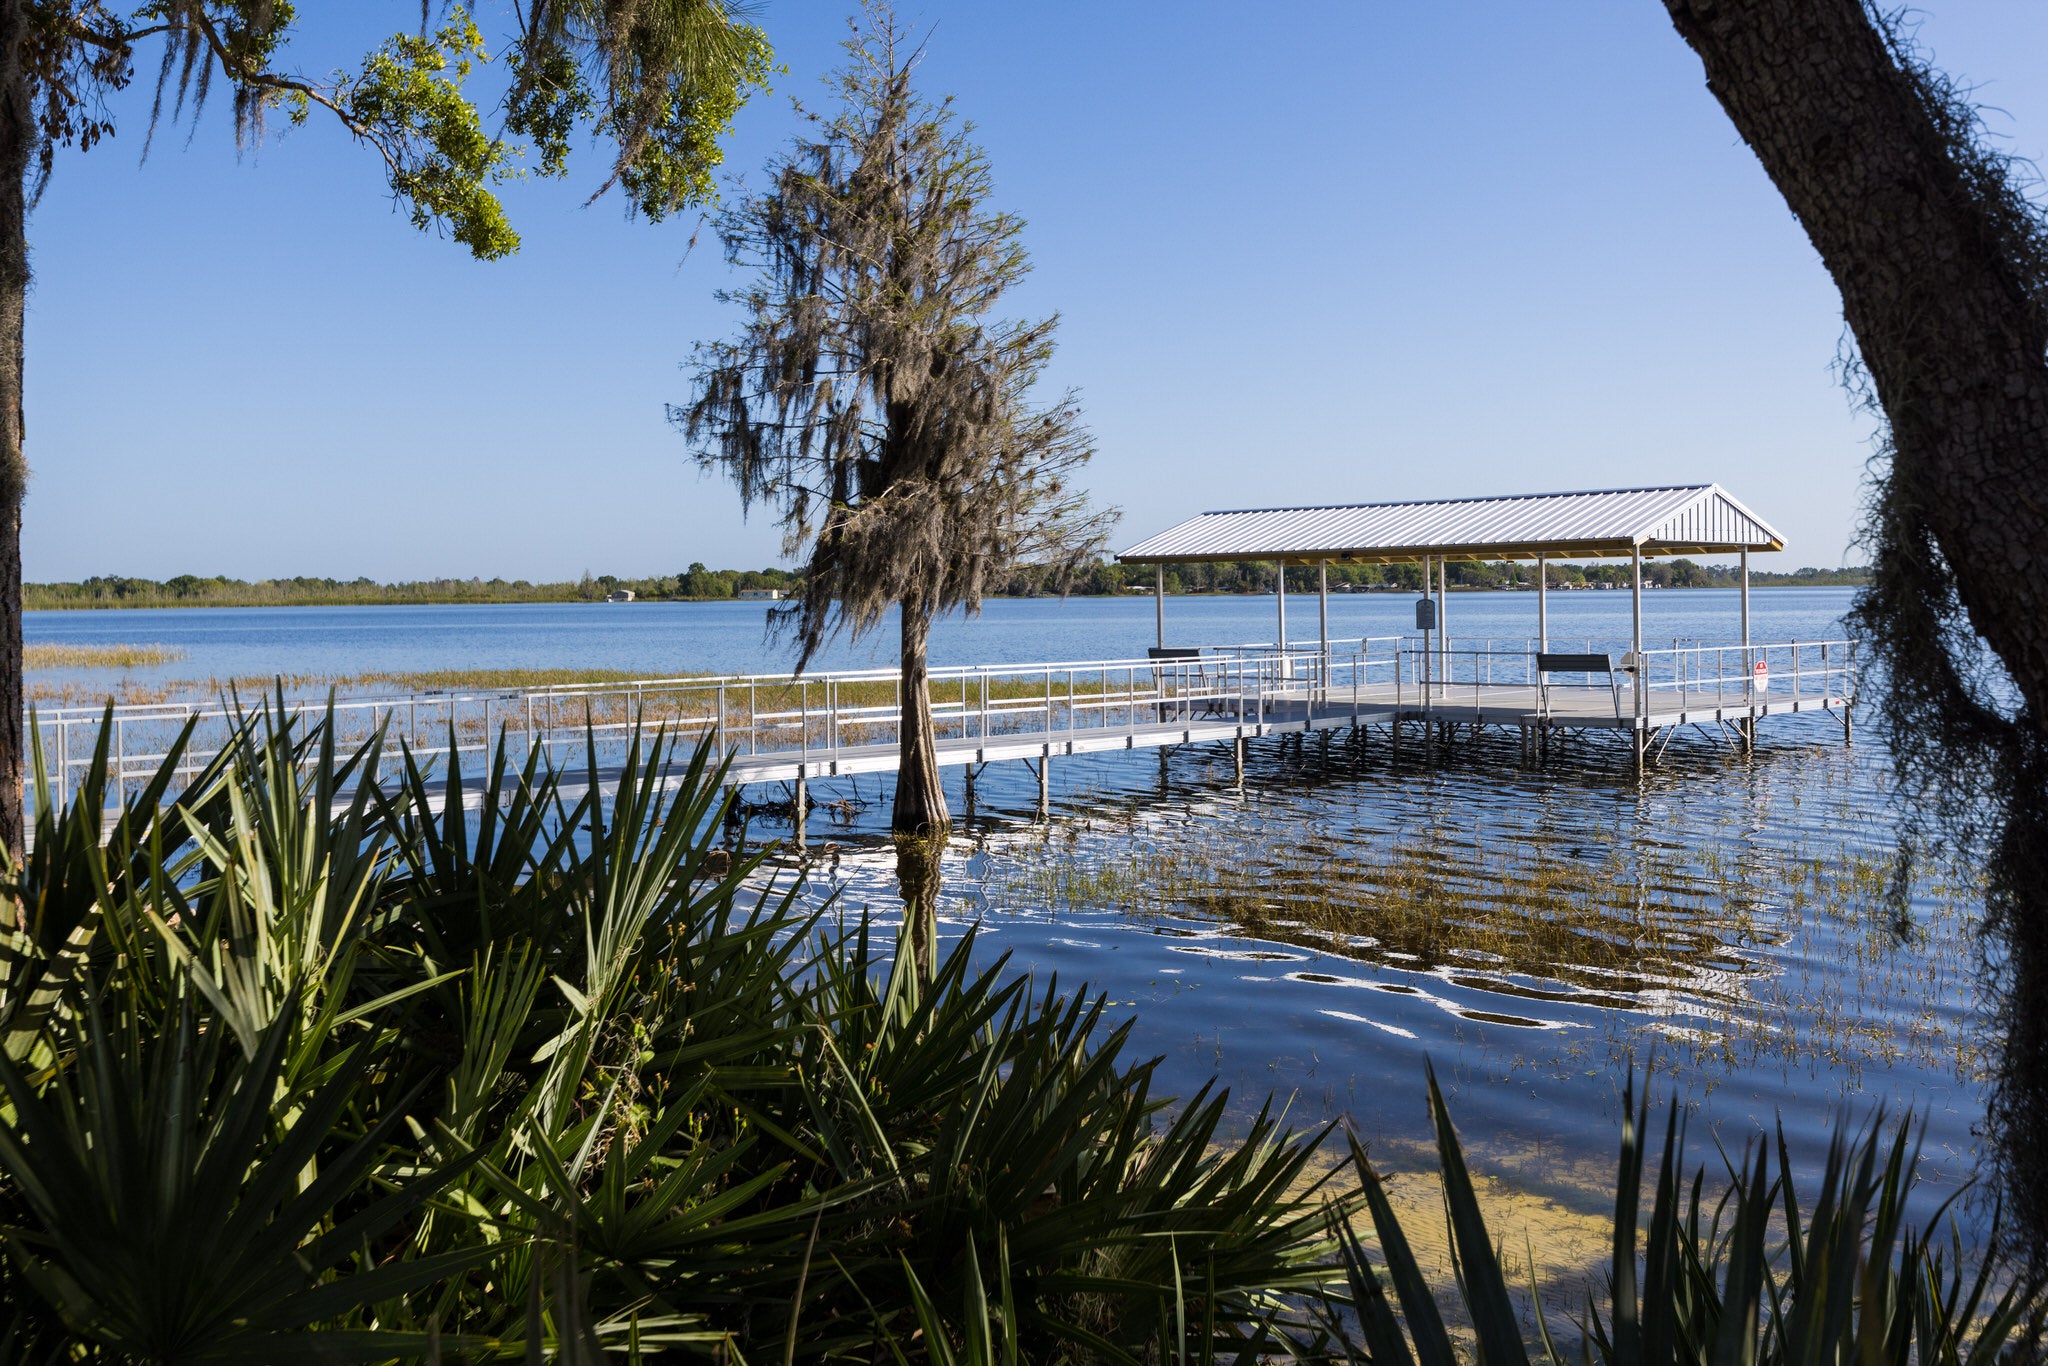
x=698, y=584
x=642, y=1061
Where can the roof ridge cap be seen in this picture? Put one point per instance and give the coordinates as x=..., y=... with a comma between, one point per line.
x=1480, y=498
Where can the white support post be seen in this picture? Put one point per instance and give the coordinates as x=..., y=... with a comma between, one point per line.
x=1323, y=608
x=1636, y=628
x=1747, y=663
x=1428, y=637
x=1636, y=601
x=1281, y=588
x=1159, y=600
x=1542, y=604
x=1443, y=620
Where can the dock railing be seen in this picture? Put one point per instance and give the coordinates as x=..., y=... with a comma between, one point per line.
x=810, y=717
x=814, y=719
x=1486, y=672
x=1739, y=676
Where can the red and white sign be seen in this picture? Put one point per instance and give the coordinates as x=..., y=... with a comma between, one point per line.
x=1763, y=676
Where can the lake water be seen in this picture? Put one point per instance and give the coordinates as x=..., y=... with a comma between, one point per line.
x=728, y=637
x=1351, y=911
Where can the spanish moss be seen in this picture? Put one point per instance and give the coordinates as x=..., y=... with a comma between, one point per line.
x=873, y=398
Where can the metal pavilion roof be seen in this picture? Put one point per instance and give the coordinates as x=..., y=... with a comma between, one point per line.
x=1690, y=519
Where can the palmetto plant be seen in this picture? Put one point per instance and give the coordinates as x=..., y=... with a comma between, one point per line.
x=1752, y=1277
x=336, y=1056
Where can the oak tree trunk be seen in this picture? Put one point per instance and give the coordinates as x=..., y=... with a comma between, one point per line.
x=1947, y=326
x=920, y=808
x=17, y=140
x=1950, y=337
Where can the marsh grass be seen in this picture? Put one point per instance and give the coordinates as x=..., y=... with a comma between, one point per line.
x=1611, y=923
x=35, y=657
x=485, y=680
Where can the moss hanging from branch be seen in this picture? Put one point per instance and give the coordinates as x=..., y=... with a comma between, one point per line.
x=874, y=399
x=1967, y=748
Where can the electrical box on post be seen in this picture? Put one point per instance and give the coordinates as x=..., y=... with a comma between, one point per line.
x=1425, y=614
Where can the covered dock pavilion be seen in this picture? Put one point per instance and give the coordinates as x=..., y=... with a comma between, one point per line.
x=1644, y=691
x=791, y=729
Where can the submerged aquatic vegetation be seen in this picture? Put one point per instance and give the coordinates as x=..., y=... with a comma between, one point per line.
x=1738, y=951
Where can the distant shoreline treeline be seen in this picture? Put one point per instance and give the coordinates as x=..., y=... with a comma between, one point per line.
x=698, y=584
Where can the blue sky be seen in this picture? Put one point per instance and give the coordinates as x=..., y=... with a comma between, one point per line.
x=1326, y=253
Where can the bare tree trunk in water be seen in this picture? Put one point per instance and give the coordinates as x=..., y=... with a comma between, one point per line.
x=920, y=808
x=17, y=137
x=918, y=863
x=1932, y=260
x=919, y=820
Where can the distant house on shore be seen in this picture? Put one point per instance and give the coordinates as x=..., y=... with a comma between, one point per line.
x=619, y=595
x=761, y=594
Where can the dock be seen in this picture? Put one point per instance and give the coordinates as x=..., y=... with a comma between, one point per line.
x=795, y=729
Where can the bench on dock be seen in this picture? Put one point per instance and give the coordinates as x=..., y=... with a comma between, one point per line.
x=1184, y=663
x=1548, y=664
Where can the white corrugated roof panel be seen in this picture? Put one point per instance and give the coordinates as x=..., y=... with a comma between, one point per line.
x=1696, y=519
